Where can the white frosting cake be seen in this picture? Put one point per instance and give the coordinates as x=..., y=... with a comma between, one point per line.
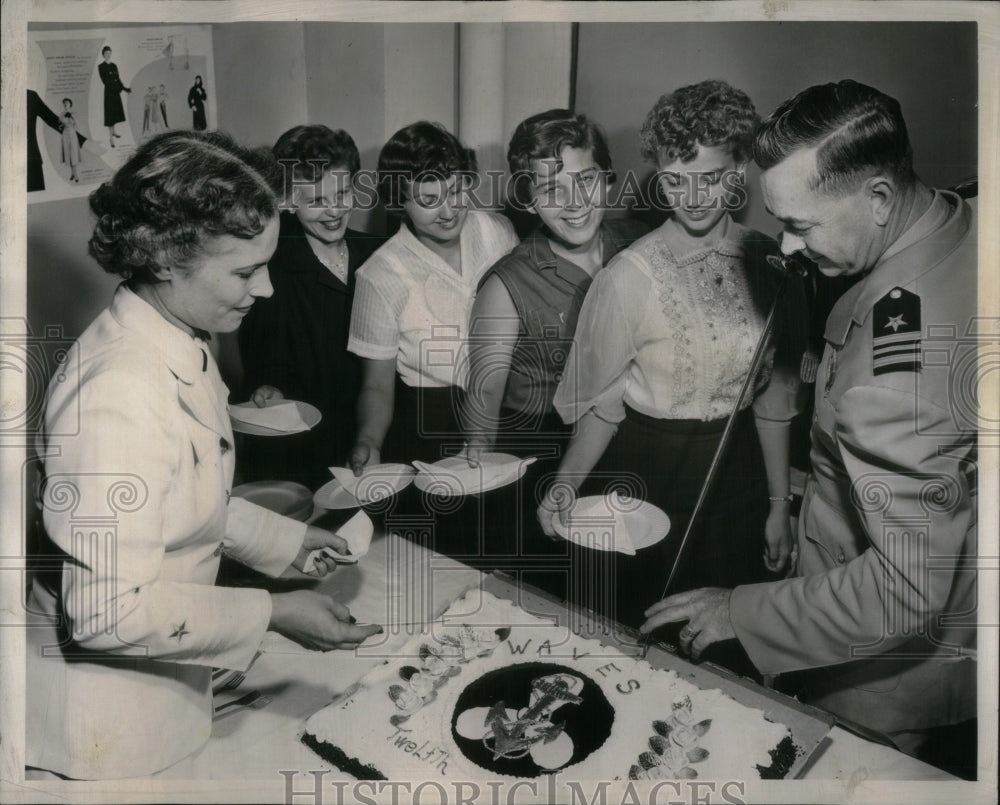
x=494, y=692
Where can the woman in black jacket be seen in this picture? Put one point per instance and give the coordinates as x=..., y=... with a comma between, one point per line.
x=114, y=111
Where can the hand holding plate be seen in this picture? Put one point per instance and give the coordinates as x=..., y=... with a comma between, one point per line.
x=266, y=395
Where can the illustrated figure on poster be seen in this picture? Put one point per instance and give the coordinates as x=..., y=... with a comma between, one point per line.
x=168, y=51
x=162, y=98
x=196, y=103
x=114, y=111
x=155, y=123
x=38, y=109
x=70, y=145
x=147, y=101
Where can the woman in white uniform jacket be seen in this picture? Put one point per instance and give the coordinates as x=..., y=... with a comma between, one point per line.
x=137, y=472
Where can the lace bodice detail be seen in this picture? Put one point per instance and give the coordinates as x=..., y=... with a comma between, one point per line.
x=671, y=335
x=711, y=324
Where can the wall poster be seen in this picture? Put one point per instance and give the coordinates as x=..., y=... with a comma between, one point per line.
x=95, y=95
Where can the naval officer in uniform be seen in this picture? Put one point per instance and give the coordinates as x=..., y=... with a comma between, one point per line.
x=880, y=614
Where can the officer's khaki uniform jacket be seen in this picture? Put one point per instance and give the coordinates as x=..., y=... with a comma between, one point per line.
x=885, y=591
x=126, y=624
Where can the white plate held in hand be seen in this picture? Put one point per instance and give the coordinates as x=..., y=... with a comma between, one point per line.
x=453, y=476
x=614, y=523
x=277, y=419
x=374, y=484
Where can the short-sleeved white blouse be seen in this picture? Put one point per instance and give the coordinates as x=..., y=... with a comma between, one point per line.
x=409, y=304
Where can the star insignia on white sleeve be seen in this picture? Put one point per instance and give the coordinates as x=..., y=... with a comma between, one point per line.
x=895, y=322
x=180, y=631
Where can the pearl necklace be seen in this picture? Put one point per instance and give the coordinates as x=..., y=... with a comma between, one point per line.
x=337, y=263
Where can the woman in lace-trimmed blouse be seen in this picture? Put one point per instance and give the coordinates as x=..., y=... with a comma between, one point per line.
x=665, y=338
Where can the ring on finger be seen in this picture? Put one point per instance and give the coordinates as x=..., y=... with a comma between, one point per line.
x=687, y=632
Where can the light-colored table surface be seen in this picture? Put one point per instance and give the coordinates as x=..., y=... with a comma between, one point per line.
x=399, y=582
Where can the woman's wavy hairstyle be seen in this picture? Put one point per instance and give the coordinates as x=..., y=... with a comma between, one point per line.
x=174, y=193
x=858, y=131
x=710, y=113
x=545, y=135
x=420, y=152
x=304, y=147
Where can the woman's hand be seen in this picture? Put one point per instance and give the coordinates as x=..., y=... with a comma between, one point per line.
x=362, y=455
x=266, y=395
x=317, y=539
x=808, y=366
x=374, y=411
x=778, y=541
x=473, y=451
x=558, y=500
x=317, y=621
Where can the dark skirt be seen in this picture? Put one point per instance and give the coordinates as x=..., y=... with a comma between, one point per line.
x=114, y=111
x=425, y=424
x=666, y=462
x=515, y=534
x=494, y=530
x=36, y=176
x=425, y=427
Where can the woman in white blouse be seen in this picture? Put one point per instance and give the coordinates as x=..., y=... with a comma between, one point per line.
x=414, y=296
x=126, y=622
x=663, y=344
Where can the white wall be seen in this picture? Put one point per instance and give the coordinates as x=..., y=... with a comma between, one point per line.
x=260, y=69
x=420, y=75
x=508, y=72
x=537, y=63
x=930, y=68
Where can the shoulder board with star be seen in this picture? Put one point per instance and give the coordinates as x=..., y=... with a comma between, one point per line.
x=896, y=333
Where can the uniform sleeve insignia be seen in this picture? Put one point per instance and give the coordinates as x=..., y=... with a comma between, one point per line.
x=896, y=333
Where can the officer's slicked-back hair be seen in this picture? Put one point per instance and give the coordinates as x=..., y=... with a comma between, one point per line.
x=857, y=130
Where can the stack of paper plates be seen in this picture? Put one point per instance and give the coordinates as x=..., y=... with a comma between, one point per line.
x=283, y=497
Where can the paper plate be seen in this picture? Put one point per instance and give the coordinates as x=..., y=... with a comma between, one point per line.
x=357, y=532
x=284, y=497
x=452, y=476
x=309, y=413
x=592, y=519
x=375, y=483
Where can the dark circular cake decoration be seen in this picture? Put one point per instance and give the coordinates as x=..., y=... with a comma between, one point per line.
x=542, y=704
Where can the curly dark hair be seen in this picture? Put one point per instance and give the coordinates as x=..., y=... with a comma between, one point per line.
x=175, y=192
x=419, y=152
x=710, y=113
x=858, y=129
x=545, y=135
x=306, y=146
